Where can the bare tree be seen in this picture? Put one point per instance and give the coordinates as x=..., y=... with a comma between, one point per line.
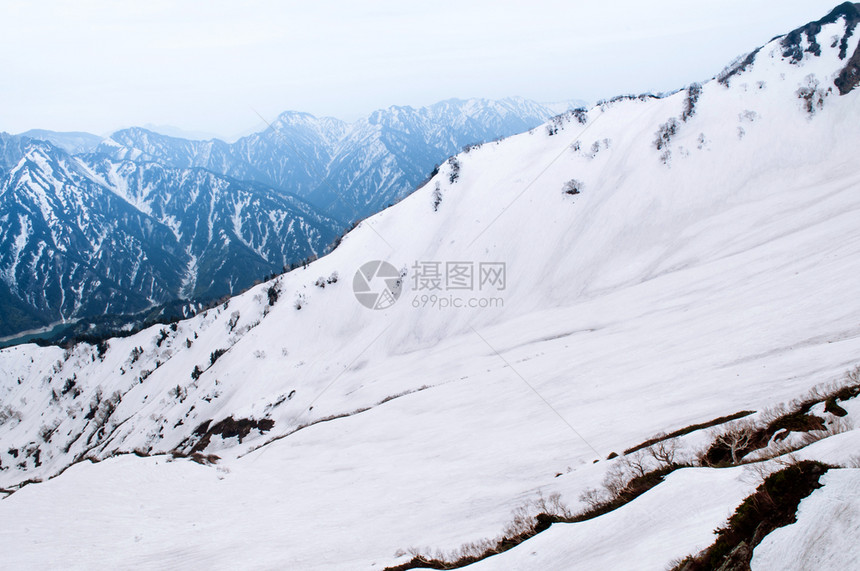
x=637, y=463
x=616, y=479
x=664, y=452
x=736, y=439
x=593, y=497
x=437, y=197
x=572, y=186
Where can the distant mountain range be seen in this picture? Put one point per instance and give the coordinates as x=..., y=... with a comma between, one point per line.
x=87, y=235
x=92, y=226
x=348, y=170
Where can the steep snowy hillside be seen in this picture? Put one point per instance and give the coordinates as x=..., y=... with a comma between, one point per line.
x=84, y=235
x=652, y=266
x=350, y=171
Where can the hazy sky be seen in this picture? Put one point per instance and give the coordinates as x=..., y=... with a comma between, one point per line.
x=97, y=65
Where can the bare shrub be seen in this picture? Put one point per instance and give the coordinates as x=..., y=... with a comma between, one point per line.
x=555, y=123
x=179, y=393
x=136, y=353
x=773, y=413
x=837, y=426
x=664, y=452
x=739, y=65
x=637, y=463
x=593, y=497
x=47, y=431
x=572, y=186
x=616, y=478
x=812, y=95
x=454, y=175
x=273, y=292
x=233, y=321
x=758, y=471
x=665, y=133
x=628, y=468
x=526, y=521
x=735, y=438
x=9, y=414
x=694, y=91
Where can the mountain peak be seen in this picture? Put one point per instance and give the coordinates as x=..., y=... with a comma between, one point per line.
x=296, y=118
x=793, y=41
x=136, y=132
x=70, y=141
x=823, y=40
x=846, y=9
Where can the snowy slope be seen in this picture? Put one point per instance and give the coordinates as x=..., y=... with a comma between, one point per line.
x=715, y=274
x=828, y=521
x=675, y=519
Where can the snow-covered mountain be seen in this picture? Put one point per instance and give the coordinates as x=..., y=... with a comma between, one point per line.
x=73, y=142
x=11, y=151
x=225, y=234
x=349, y=170
x=668, y=265
x=285, y=158
x=85, y=235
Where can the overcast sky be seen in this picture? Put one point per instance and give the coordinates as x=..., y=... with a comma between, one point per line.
x=98, y=65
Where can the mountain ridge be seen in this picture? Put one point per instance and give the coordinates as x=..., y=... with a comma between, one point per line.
x=668, y=262
x=298, y=149
x=149, y=234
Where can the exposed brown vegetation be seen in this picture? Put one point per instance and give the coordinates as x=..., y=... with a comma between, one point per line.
x=689, y=429
x=773, y=505
x=731, y=445
x=229, y=428
x=627, y=480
